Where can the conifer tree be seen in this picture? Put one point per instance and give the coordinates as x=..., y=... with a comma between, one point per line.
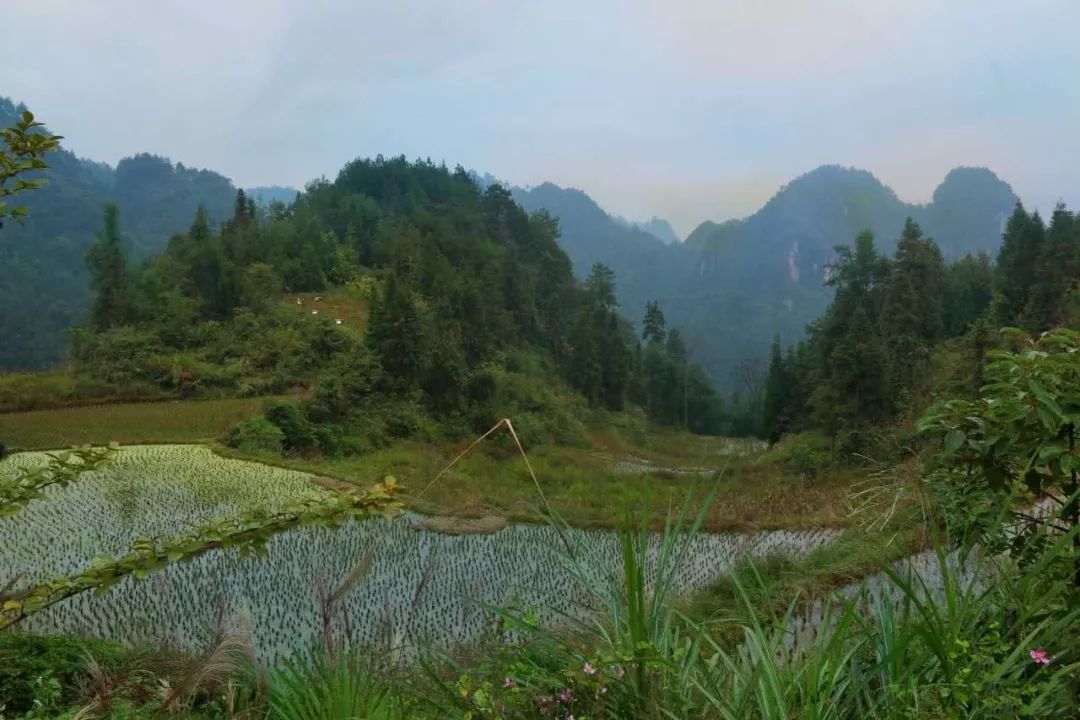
x=1056, y=270
x=396, y=332
x=240, y=207
x=969, y=292
x=1021, y=245
x=109, y=275
x=601, y=286
x=676, y=346
x=911, y=320
x=777, y=393
x=653, y=330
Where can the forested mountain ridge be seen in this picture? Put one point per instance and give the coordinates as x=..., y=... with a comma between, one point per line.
x=590, y=235
x=43, y=281
x=967, y=212
x=732, y=286
x=472, y=313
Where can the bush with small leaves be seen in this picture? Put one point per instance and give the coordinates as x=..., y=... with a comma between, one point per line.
x=257, y=434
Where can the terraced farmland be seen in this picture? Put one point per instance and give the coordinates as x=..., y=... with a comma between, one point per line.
x=419, y=588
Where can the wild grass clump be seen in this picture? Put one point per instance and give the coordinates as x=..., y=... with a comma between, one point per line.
x=318, y=687
x=943, y=634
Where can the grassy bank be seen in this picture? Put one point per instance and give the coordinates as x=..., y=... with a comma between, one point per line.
x=593, y=486
x=622, y=463
x=128, y=423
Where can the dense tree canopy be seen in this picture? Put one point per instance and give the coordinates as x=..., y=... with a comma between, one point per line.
x=868, y=358
x=472, y=312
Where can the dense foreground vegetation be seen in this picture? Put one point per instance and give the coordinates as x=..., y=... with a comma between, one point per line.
x=984, y=626
x=996, y=642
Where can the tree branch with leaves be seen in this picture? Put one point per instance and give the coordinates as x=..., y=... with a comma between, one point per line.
x=247, y=532
x=1016, y=444
x=22, y=150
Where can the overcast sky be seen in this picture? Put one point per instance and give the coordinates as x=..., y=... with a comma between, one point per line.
x=686, y=110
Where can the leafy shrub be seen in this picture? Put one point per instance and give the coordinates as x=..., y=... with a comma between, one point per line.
x=255, y=435
x=404, y=420
x=540, y=407
x=346, y=390
x=298, y=434
x=364, y=287
x=121, y=355
x=29, y=663
x=330, y=439
x=806, y=454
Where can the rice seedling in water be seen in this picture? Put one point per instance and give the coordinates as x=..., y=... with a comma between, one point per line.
x=421, y=589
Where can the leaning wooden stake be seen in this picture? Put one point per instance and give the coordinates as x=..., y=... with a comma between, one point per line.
x=505, y=422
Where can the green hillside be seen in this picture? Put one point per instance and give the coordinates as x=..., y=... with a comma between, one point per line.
x=44, y=287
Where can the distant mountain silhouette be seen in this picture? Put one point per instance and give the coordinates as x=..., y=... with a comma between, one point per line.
x=657, y=227
x=590, y=235
x=733, y=285
x=266, y=194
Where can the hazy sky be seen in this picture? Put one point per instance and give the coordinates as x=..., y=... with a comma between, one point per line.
x=687, y=110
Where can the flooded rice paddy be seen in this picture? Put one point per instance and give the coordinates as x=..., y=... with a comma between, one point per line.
x=421, y=588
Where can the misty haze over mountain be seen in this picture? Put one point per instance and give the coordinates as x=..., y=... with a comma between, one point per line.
x=731, y=286
x=686, y=111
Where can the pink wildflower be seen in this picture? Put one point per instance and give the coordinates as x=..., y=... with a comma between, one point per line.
x=1041, y=657
x=509, y=682
x=589, y=669
x=566, y=695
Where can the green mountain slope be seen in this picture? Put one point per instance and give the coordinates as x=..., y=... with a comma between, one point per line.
x=734, y=285
x=467, y=310
x=43, y=282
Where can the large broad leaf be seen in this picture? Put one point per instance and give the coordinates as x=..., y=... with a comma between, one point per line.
x=1051, y=450
x=954, y=440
